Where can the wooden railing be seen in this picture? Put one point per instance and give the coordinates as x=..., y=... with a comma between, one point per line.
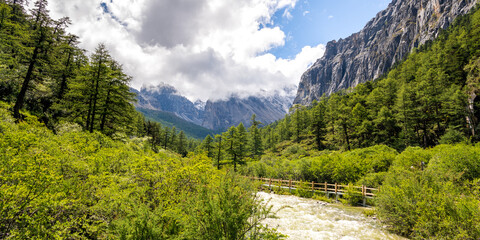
x=327, y=188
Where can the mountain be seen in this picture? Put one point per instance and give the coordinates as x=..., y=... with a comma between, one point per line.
x=384, y=41
x=170, y=120
x=214, y=115
x=166, y=98
x=225, y=113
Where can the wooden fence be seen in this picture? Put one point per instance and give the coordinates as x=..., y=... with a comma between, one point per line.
x=327, y=188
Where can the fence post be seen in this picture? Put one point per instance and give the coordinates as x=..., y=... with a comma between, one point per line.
x=290, y=185
x=313, y=187
x=336, y=190
x=364, y=194
x=326, y=189
x=270, y=184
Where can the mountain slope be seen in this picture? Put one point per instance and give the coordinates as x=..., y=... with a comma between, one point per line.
x=171, y=120
x=165, y=98
x=385, y=40
x=223, y=114
x=214, y=115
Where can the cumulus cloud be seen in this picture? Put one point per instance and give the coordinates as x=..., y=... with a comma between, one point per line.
x=207, y=49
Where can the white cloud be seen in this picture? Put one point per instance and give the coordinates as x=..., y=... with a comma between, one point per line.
x=330, y=17
x=305, y=13
x=207, y=49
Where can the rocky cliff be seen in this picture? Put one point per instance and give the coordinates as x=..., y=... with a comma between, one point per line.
x=384, y=41
x=220, y=114
x=166, y=98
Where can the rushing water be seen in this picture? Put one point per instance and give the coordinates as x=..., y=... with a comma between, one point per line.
x=302, y=218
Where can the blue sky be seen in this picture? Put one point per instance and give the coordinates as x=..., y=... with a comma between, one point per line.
x=211, y=49
x=316, y=22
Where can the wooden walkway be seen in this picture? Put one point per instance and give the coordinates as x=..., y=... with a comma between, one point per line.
x=327, y=188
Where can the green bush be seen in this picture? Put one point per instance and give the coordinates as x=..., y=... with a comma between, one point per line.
x=225, y=210
x=440, y=202
x=80, y=185
x=352, y=195
x=304, y=189
x=452, y=136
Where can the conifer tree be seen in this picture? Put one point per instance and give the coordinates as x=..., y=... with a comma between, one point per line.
x=36, y=52
x=207, y=145
x=256, y=147
x=319, y=124
x=219, y=147
x=181, y=146
x=231, y=142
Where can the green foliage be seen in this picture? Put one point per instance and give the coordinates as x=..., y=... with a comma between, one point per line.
x=294, y=151
x=340, y=167
x=304, y=189
x=99, y=99
x=452, y=136
x=352, y=196
x=436, y=202
x=429, y=98
x=45, y=72
x=226, y=210
x=82, y=185
x=170, y=120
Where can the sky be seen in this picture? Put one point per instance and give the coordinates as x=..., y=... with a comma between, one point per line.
x=211, y=49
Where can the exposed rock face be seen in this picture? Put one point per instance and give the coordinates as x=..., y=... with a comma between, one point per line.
x=384, y=41
x=165, y=98
x=217, y=115
x=220, y=115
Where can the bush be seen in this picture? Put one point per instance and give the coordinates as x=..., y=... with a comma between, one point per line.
x=225, y=210
x=440, y=202
x=352, y=196
x=304, y=189
x=452, y=136
x=81, y=185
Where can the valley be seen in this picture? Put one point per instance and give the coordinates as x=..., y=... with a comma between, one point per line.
x=148, y=136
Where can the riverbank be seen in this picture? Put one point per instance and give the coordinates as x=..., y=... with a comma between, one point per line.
x=303, y=218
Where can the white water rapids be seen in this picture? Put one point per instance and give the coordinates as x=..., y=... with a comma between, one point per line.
x=303, y=219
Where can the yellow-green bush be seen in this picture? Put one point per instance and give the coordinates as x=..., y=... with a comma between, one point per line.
x=80, y=185
x=441, y=201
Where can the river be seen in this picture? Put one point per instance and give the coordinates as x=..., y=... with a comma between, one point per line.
x=302, y=218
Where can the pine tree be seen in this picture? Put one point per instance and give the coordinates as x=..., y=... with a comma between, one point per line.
x=231, y=142
x=99, y=71
x=219, y=147
x=255, y=138
x=37, y=53
x=181, y=145
x=319, y=124
x=207, y=145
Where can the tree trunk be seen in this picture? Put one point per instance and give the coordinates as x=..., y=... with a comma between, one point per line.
x=26, y=81
x=63, y=83
x=347, y=139
x=219, y=153
x=95, y=96
x=104, y=114
x=235, y=162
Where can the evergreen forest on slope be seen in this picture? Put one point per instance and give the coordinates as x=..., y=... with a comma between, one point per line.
x=413, y=132
x=78, y=162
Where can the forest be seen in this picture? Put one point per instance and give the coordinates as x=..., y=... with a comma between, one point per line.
x=77, y=161
x=45, y=72
x=413, y=132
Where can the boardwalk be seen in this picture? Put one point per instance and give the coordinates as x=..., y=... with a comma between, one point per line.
x=327, y=188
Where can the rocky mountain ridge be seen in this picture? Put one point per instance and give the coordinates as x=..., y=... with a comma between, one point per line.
x=384, y=41
x=216, y=115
